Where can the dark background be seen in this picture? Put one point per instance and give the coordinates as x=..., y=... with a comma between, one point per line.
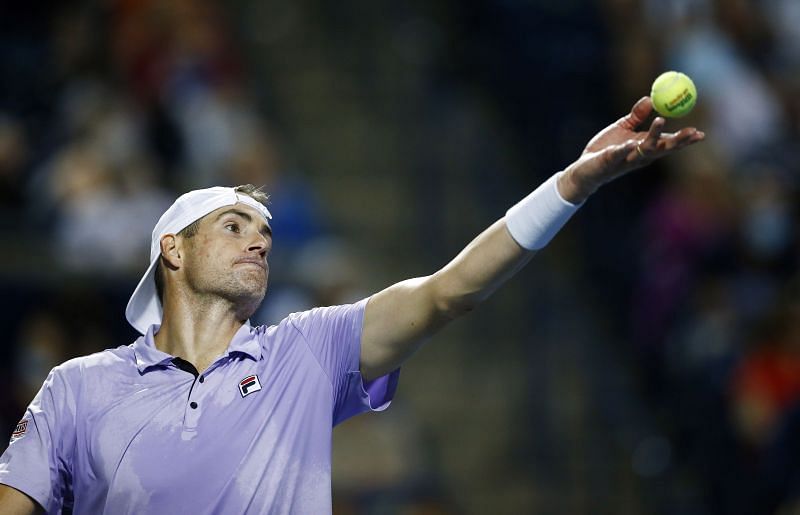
x=647, y=361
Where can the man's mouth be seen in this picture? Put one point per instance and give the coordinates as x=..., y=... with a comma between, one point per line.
x=259, y=262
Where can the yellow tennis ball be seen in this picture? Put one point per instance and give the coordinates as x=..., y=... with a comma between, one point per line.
x=673, y=94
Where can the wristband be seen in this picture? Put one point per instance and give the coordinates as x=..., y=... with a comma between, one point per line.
x=534, y=220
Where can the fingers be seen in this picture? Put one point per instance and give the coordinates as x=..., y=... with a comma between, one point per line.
x=639, y=113
x=655, y=143
x=677, y=140
x=619, y=153
x=621, y=159
x=651, y=139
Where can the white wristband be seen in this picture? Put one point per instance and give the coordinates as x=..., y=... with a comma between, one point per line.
x=534, y=220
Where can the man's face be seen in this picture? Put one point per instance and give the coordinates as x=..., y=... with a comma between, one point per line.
x=228, y=256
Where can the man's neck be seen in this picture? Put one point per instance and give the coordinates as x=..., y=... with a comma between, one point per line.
x=200, y=333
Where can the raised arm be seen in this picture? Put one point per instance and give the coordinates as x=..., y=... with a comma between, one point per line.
x=402, y=317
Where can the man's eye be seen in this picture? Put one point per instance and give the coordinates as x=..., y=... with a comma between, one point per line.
x=232, y=227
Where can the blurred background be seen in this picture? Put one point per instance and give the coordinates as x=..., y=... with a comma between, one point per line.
x=648, y=361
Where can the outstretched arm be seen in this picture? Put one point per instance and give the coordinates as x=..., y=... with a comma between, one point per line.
x=399, y=319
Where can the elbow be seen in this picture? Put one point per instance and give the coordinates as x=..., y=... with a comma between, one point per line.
x=458, y=307
x=453, y=304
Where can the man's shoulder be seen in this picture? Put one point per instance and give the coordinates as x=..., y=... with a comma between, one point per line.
x=292, y=326
x=301, y=319
x=119, y=357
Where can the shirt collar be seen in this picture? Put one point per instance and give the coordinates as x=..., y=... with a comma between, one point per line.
x=246, y=341
x=147, y=355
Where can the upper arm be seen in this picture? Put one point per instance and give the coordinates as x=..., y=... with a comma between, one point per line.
x=14, y=502
x=397, y=321
x=332, y=334
x=38, y=458
x=400, y=318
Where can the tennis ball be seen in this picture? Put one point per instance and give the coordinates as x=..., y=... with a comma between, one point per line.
x=673, y=94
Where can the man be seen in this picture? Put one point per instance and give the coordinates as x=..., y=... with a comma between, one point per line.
x=206, y=414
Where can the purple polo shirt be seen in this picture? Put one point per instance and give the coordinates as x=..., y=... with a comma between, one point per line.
x=125, y=431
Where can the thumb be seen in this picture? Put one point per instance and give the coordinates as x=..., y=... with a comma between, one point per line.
x=639, y=113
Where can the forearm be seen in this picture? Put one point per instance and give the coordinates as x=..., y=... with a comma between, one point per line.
x=507, y=245
x=400, y=318
x=479, y=270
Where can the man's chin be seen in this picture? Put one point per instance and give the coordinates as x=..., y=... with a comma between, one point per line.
x=254, y=279
x=248, y=291
x=247, y=302
x=255, y=294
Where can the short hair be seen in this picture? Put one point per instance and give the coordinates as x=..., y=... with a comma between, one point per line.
x=256, y=193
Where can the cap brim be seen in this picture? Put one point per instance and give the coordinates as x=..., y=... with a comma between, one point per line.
x=144, y=308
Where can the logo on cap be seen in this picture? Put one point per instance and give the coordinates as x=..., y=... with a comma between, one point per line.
x=248, y=385
x=20, y=430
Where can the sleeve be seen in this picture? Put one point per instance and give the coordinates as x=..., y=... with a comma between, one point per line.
x=333, y=335
x=38, y=459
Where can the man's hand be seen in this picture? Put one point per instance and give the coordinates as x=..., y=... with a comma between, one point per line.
x=619, y=149
x=400, y=318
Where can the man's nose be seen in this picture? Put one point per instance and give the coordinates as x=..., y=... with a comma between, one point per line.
x=259, y=244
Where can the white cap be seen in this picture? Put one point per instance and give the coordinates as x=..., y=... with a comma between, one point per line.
x=144, y=308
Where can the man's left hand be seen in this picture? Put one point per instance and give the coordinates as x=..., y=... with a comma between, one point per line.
x=619, y=149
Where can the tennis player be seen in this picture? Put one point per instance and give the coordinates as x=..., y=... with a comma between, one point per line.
x=205, y=413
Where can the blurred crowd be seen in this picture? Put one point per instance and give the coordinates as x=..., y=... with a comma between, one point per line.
x=715, y=306
x=110, y=109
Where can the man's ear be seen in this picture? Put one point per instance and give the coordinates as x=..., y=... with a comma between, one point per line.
x=170, y=251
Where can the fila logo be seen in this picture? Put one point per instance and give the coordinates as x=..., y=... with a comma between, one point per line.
x=20, y=430
x=248, y=385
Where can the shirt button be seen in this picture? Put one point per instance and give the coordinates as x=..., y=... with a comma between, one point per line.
x=202, y=379
x=193, y=405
